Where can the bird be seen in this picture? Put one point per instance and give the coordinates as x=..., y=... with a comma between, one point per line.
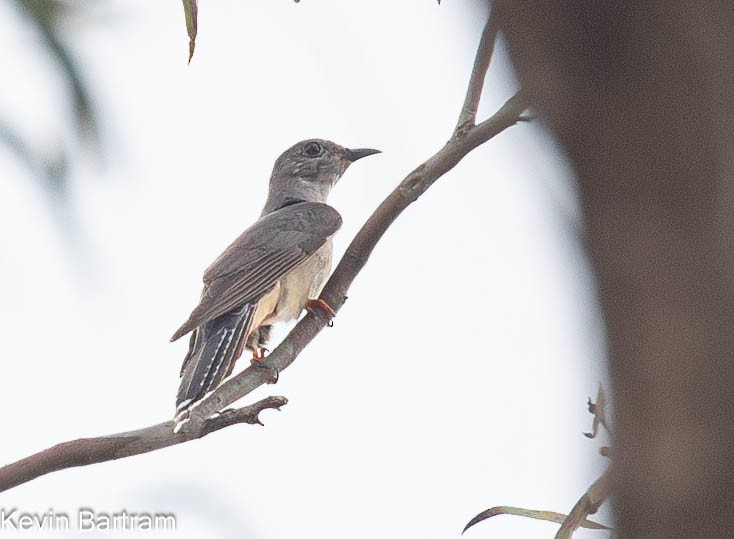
x=270, y=273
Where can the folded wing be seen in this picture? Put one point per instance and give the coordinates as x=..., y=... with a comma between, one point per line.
x=260, y=257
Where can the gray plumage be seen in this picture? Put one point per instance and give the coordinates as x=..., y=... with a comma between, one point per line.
x=269, y=272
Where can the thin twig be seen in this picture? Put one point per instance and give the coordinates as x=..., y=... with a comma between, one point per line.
x=598, y=410
x=587, y=505
x=468, y=115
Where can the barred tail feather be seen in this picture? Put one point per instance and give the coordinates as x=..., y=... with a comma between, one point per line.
x=213, y=350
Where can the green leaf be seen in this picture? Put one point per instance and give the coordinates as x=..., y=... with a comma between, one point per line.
x=191, y=11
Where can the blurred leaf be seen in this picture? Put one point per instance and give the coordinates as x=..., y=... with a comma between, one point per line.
x=47, y=15
x=51, y=169
x=191, y=12
x=550, y=516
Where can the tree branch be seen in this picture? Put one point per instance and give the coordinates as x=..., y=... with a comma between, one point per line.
x=465, y=138
x=468, y=116
x=587, y=505
x=85, y=451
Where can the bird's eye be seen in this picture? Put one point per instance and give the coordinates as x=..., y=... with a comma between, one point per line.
x=313, y=149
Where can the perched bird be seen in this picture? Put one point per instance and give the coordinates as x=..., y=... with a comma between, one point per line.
x=270, y=273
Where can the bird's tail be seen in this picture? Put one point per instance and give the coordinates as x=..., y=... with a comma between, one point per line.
x=213, y=350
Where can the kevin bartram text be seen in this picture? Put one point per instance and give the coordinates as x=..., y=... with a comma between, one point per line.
x=85, y=519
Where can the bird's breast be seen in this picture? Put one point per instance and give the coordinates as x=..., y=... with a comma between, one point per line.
x=301, y=284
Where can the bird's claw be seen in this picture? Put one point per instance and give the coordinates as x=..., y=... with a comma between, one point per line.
x=320, y=307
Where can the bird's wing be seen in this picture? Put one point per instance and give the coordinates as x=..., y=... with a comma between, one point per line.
x=264, y=253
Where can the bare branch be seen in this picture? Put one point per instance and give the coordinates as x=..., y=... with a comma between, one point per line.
x=468, y=115
x=203, y=419
x=587, y=505
x=85, y=451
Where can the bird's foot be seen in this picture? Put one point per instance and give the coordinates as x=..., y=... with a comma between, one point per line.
x=320, y=307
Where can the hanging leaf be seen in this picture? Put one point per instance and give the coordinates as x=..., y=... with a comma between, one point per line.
x=550, y=516
x=191, y=12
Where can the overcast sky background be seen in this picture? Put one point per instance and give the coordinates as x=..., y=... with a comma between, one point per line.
x=453, y=380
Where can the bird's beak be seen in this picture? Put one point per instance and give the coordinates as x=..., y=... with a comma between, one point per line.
x=353, y=155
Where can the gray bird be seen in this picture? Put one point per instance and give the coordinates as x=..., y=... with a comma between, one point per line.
x=270, y=273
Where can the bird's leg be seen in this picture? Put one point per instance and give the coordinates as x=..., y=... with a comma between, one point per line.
x=258, y=354
x=317, y=306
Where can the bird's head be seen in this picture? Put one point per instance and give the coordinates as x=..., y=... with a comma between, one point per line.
x=309, y=169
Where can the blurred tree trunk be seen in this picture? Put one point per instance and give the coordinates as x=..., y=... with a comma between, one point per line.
x=641, y=97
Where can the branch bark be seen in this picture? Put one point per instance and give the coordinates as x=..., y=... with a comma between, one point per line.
x=85, y=451
x=465, y=138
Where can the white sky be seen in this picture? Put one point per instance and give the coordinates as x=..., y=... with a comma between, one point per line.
x=456, y=375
